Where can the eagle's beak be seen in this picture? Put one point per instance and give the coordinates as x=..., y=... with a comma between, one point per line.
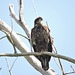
x=41, y=22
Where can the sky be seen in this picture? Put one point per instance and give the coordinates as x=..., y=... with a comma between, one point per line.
x=60, y=15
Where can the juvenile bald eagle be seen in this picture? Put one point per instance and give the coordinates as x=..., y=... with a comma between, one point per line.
x=41, y=41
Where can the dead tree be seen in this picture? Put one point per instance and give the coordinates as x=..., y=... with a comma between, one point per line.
x=19, y=44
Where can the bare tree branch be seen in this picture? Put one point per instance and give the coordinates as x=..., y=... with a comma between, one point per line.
x=8, y=66
x=42, y=53
x=59, y=61
x=23, y=36
x=23, y=48
x=69, y=72
x=3, y=37
x=21, y=10
x=0, y=68
x=13, y=63
x=17, y=34
x=22, y=24
x=72, y=68
x=34, y=8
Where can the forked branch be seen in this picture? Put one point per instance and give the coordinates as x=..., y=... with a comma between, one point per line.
x=22, y=24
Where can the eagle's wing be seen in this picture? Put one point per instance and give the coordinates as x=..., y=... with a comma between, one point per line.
x=48, y=31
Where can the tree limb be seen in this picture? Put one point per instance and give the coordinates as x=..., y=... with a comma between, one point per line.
x=22, y=24
x=21, y=10
x=41, y=53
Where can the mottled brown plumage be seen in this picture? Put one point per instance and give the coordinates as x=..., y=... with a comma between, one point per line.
x=41, y=41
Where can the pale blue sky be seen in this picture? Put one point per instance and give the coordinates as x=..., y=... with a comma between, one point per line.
x=60, y=15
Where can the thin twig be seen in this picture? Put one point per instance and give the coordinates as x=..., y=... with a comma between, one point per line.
x=69, y=72
x=72, y=68
x=0, y=68
x=8, y=66
x=23, y=36
x=17, y=34
x=13, y=63
x=3, y=37
x=34, y=8
x=55, y=59
x=61, y=66
x=59, y=62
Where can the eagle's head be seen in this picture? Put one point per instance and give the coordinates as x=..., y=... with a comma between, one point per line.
x=38, y=20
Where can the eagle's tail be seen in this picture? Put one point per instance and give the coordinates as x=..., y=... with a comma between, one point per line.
x=45, y=62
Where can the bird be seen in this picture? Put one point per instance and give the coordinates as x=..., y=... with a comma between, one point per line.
x=41, y=41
